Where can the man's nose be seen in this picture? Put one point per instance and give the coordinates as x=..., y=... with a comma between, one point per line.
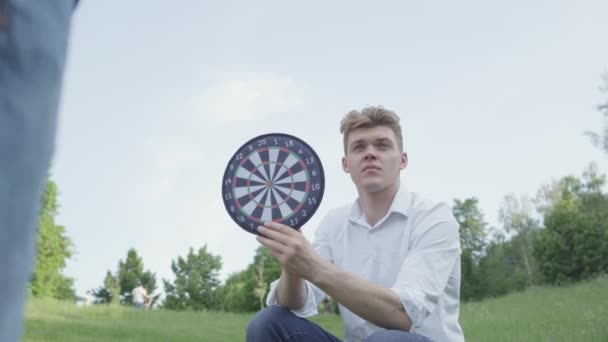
x=370, y=153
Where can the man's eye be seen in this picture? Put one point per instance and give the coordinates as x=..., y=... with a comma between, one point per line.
x=357, y=147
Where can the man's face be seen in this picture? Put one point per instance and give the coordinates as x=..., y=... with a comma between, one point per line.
x=373, y=158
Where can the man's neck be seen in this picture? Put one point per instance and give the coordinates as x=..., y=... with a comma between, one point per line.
x=375, y=205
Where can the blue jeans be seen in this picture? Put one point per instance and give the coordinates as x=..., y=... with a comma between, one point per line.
x=277, y=324
x=33, y=43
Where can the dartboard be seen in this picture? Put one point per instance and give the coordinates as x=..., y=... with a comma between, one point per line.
x=273, y=177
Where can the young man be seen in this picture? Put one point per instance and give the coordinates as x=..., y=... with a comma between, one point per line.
x=391, y=259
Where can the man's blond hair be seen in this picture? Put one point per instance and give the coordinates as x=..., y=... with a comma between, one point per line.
x=370, y=117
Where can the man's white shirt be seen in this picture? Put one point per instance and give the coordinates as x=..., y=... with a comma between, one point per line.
x=414, y=251
x=138, y=294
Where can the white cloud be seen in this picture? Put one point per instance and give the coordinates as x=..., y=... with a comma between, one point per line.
x=230, y=96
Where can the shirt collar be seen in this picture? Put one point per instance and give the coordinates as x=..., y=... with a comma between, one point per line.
x=400, y=205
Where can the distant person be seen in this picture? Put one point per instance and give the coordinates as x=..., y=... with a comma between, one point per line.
x=140, y=296
x=33, y=44
x=88, y=298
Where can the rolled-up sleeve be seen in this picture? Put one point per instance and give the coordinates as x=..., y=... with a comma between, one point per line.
x=314, y=295
x=424, y=274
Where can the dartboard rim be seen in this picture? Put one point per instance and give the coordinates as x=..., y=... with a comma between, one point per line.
x=284, y=135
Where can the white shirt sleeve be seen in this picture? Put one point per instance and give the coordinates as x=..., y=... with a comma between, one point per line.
x=433, y=254
x=314, y=295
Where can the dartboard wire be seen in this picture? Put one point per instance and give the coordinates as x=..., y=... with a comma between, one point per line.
x=245, y=190
x=252, y=175
x=289, y=195
x=267, y=208
x=248, y=187
x=300, y=176
x=241, y=172
x=283, y=207
x=289, y=162
x=257, y=161
x=252, y=204
x=281, y=157
x=273, y=158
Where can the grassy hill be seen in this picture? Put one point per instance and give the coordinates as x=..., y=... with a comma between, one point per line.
x=575, y=313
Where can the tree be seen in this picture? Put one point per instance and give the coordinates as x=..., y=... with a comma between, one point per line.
x=267, y=269
x=516, y=217
x=196, y=281
x=234, y=294
x=473, y=232
x=245, y=291
x=574, y=244
x=130, y=273
x=502, y=269
x=109, y=293
x=54, y=248
x=600, y=140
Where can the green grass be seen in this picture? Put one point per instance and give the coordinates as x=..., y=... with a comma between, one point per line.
x=575, y=313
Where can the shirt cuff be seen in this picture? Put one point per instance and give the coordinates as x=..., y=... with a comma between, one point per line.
x=309, y=308
x=413, y=303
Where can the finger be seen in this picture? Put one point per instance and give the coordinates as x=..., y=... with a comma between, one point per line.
x=271, y=244
x=275, y=235
x=276, y=255
x=281, y=228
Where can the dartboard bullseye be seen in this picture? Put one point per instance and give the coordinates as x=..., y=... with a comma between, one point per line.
x=273, y=177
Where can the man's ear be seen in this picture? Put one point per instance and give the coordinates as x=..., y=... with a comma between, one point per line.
x=345, y=165
x=404, y=160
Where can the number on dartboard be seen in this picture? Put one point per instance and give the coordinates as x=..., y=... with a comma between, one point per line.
x=261, y=142
x=314, y=173
x=316, y=186
x=309, y=161
x=293, y=221
x=312, y=200
x=239, y=156
x=289, y=143
x=228, y=196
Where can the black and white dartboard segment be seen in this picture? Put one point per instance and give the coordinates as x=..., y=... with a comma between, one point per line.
x=273, y=177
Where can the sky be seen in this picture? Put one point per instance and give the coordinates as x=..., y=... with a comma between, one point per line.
x=494, y=99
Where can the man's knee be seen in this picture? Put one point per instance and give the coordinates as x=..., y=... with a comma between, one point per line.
x=263, y=324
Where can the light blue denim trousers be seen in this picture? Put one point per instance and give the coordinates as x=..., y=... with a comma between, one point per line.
x=33, y=42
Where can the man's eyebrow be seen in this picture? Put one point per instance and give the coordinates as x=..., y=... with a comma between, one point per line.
x=358, y=141
x=384, y=141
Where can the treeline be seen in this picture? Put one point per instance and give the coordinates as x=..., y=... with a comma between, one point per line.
x=558, y=236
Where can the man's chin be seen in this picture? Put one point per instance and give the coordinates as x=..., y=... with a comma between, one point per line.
x=372, y=187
